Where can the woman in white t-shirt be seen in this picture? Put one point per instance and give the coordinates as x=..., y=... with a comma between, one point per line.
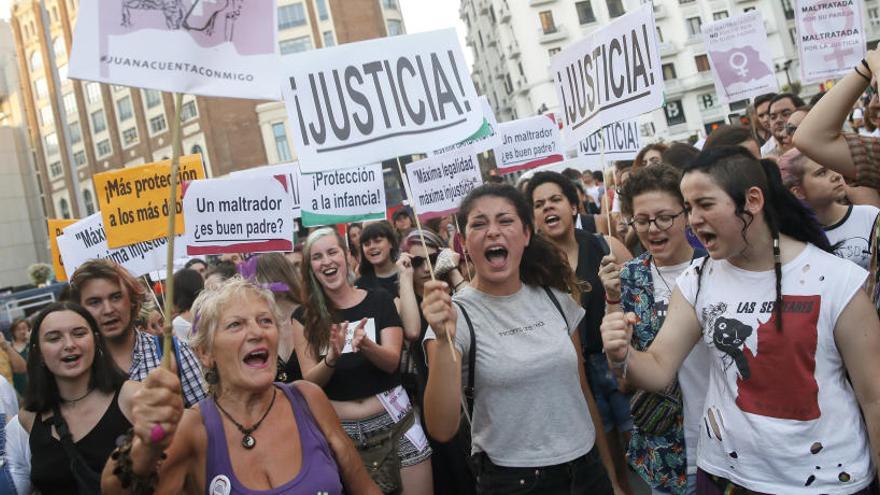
x=785, y=322
x=534, y=423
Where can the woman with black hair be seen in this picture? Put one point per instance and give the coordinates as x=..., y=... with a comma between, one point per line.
x=76, y=404
x=786, y=323
x=380, y=249
x=534, y=425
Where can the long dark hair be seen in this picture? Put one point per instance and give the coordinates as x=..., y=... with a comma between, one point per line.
x=373, y=231
x=735, y=171
x=41, y=393
x=542, y=263
x=318, y=309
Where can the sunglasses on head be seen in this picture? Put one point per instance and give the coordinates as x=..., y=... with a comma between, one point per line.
x=418, y=261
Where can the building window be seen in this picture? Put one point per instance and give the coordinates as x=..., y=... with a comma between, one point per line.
x=290, y=16
x=706, y=101
x=55, y=169
x=722, y=14
x=62, y=73
x=46, y=116
x=41, y=87
x=282, y=147
x=296, y=45
x=59, y=47
x=93, y=92
x=129, y=136
x=792, y=31
x=188, y=111
x=389, y=4
x=103, y=148
x=152, y=98
x=659, y=35
x=323, y=14
x=395, y=27
x=674, y=113
x=553, y=51
x=749, y=9
x=547, y=23
x=788, y=9
x=158, y=124
x=669, y=72
x=89, y=201
x=123, y=109
x=874, y=15
x=585, y=12
x=69, y=104
x=329, y=40
x=99, y=123
x=64, y=207
x=36, y=61
x=615, y=8
x=79, y=158
x=694, y=26
x=508, y=84
x=702, y=62
x=51, y=144
x=75, y=133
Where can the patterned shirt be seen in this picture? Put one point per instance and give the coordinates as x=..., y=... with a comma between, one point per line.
x=147, y=356
x=865, y=151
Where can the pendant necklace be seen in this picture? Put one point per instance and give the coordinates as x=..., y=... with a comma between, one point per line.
x=248, y=441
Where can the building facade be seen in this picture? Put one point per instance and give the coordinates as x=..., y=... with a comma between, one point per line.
x=110, y=126
x=514, y=40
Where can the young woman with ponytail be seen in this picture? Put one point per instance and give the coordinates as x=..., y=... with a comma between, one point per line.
x=785, y=322
x=535, y=426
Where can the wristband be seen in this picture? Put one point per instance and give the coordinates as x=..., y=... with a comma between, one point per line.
x=611, y=302
x=856, y=68
x=327, y=363
x=868, y=67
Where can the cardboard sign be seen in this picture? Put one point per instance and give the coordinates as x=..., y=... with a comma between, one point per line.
x=134, y=201
x=612, y=74
x=740, y=67
x=369, y=329
x=289, y=170
x=210, y=48
x=831, y=38
x=366, y=102
x=86, y=240
x=622, y=142
x=528, y=143
x=343, y=196
x=238, y=215
x=484, y=139
x=56, y=229
x=438, y=184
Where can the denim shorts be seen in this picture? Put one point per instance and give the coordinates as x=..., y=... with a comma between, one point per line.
x=612, y=404
x=580, y=476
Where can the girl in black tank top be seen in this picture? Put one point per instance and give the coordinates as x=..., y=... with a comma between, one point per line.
x=72, y=376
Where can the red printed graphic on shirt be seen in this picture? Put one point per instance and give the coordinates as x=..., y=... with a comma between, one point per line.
x=781, y=381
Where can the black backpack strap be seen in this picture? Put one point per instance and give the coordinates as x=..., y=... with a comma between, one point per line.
x=87, y=481
x=556, y=303
x=472, y=362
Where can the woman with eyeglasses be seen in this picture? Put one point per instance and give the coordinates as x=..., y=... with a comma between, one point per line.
x=554, y=204
x=663, y=447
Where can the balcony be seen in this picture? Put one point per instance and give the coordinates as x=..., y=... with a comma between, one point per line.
x=557, y=34
x=514, y=51
x=673, y=87
x=483, y=7
x=699, y=80
x=491, y=41
x=504, y=13
x=667, y=49
x=659, y=11
x=534, y=3
x=521, y=85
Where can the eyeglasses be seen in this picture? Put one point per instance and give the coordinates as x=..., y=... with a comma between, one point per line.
x=418, y=261
x=662, y=222
x=790, y=129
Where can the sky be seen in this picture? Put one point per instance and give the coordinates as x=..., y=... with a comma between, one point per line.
x=4, y=8
x=420, y=16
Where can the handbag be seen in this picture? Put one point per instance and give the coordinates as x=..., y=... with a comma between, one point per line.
x=655, y=413
x=88, y=482
x=379, y=454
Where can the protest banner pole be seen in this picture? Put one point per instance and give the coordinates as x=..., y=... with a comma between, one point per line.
x=605, y=176
x=405, y=182
x=176, y=145
x=155, y=299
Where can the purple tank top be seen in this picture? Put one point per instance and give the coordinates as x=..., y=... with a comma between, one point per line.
x=318, y=474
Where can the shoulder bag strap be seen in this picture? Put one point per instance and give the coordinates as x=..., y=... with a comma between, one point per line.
x=472, y=363
x=556, y=303
x=87, y=481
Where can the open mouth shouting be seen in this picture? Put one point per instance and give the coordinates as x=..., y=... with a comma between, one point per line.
x=496, y=255
x=257, y=359
x=552, y=221
x=707, y=239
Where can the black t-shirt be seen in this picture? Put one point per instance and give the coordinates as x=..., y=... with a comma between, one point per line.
x=355, y=376
x=390, y=284
x=591, y=250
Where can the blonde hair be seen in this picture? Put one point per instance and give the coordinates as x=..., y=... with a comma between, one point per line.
x=208, y=309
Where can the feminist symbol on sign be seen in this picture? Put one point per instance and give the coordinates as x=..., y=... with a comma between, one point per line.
x=741, y=68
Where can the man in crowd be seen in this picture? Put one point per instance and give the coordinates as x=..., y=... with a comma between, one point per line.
x=780, y=108
x=113, y=296
x=761, y=120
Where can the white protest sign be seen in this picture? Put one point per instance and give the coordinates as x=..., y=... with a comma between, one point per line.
x=289, y=170
x=831, y=38
x=484, y=139
x=186, y=46
x=369, y=330
x=612, y=74
x=741, y=68
x=85, y=240
x=528, y=143
x=238, y=215
x=343, y=196
x=366, y=102
x=622, y=142
x=438, y=184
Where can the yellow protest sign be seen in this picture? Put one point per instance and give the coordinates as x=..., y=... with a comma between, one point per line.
x=134, y=201
x=56, y=228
